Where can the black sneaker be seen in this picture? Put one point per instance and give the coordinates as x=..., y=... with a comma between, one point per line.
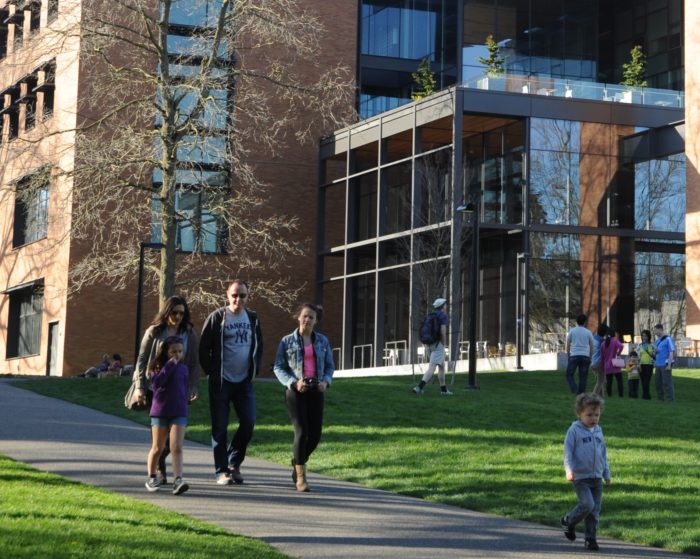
x=236, y=476
x=569, y=531
x=591, y=545
x=179, y=486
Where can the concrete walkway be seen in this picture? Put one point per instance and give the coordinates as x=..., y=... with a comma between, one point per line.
x=335, y=520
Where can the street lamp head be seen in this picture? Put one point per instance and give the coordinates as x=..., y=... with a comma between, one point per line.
x=466, y=208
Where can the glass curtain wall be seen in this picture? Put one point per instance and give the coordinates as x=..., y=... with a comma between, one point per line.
x=578, y=40
x=395, y=35
x=578, y=177
x=202, y=176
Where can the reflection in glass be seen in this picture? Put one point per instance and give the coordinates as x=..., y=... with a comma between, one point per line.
x=554, y=187
x=660, y=194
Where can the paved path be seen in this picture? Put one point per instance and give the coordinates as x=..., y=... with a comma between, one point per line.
x=342, y=520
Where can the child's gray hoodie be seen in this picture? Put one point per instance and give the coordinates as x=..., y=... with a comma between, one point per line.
x=584, y=452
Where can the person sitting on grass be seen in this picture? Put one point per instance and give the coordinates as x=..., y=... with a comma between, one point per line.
x=169, y=377
x=586, y=466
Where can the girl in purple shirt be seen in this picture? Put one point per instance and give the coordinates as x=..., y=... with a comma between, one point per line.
x=169, y=380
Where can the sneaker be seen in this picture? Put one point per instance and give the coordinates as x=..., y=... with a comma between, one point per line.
x=445, y=393
x=591, y=545
x=236, y=476
x=569, y=531
x=153, y=484
x=223, y=479
x=162, y=478
x=179, y=486
x=417, y=389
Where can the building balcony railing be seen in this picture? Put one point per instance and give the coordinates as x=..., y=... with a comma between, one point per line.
x=555, y=87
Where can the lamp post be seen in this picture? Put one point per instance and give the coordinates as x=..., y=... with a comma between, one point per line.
x=520, y=258
x=139, y=294
x=471, y=212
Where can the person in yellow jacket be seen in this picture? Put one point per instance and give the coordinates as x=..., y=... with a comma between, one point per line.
x=646, y=363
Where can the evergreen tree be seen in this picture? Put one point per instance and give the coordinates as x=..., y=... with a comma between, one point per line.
x=634, y=70
x=424, y=80
x=495, y=61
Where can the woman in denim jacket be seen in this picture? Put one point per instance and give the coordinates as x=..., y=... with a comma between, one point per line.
x=304, y=365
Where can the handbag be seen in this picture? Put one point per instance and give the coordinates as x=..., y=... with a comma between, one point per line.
x=618, y=362
x=132, y=403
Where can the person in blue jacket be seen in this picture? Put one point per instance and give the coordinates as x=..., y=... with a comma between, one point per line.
x=663, y=364
x=304, y=365
x=586, y=466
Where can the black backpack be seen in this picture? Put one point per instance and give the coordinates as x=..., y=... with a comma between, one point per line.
x=430, y=329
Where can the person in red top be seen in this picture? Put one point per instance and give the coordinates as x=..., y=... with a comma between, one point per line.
x=611, y=349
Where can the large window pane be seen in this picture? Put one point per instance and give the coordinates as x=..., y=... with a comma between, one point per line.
x=24, y=322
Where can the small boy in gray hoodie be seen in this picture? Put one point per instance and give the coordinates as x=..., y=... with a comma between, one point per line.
x=586, y=465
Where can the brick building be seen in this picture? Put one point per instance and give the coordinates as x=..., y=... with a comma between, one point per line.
x=44, y=86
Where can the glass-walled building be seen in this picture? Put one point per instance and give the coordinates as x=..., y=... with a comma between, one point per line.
x=581, y=209
x=583, y=40
x=580, y=182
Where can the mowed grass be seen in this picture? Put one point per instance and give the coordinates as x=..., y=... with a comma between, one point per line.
x=45, y=515
x=497, y=449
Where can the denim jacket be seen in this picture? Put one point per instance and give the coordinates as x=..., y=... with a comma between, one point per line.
x=289, y=361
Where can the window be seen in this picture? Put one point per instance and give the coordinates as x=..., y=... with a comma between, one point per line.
x=11, y=109
x=18, y=20
x=34, y=15
x=47, y=88
x=31, y=208
x=52, y=10
x=29, y=101
x=198, y=228
x=4, y=14
x=24, y=321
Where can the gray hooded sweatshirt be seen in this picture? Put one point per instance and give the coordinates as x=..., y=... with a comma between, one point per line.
x=584, y=452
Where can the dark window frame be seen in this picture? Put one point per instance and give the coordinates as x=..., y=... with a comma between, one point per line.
x=31, y=216
x=25, y=320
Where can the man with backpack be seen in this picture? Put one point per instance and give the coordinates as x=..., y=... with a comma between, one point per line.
x=433, y=333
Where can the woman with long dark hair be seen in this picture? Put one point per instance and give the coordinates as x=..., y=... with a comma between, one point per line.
x=647, y=352
x=612, y=347
x=172, y=320
x=304, y=365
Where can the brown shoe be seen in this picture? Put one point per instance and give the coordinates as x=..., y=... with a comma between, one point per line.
x=301, y=478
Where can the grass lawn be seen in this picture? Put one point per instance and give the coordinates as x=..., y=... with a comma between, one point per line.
x=498, y=449
x=45, y=515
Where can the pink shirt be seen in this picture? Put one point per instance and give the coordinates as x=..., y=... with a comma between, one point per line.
x=607, y=353
x=309, y=361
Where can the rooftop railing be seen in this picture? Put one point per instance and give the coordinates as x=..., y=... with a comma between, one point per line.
x=555, y=87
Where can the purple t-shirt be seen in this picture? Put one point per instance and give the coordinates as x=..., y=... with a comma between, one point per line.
x=170, y=391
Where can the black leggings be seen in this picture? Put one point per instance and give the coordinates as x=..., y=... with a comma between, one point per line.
x=608, y=381
x=306, y=413
x=645, y=373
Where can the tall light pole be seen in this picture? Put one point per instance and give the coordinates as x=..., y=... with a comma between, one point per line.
x=519, y=307
x=471, y=213
x=139, y=294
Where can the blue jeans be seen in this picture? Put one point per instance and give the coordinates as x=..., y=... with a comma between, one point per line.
x=221, y=396
x=580, y=362
x=589, y=493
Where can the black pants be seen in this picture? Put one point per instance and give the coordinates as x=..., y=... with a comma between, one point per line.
x=306, y=413
x=645, y=374
x=633, y=387
x=608, y=383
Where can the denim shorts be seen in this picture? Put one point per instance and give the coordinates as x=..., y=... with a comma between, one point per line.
x=164, y=422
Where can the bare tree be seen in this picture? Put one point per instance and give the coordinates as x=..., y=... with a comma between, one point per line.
x=181, y=102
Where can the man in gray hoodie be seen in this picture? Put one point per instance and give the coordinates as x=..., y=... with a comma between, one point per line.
x=586, y=465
